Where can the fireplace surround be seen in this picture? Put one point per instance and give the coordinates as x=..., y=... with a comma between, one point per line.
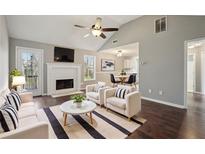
x=62, y=73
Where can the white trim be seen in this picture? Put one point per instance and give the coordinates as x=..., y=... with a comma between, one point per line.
x=42, y=66
x=164, y=102
x=51, y=67
x=185, y=66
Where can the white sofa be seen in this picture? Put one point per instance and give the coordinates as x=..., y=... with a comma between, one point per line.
x=97, y=97
x=30, y=127
x=129, y=106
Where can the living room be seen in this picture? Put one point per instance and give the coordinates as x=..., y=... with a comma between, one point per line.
x=98, y=77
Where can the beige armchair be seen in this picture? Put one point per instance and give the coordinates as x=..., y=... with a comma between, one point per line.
x=129, y=106
x=97, y=97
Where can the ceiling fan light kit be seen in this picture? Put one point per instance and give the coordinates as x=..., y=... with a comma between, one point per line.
x=119, y=53
x=96, y=32
x=97, y=29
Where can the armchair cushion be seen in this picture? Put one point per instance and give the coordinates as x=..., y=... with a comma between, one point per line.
x=94, y=95
x=118, y=102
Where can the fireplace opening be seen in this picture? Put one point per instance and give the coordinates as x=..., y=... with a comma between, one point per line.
x=64, y=84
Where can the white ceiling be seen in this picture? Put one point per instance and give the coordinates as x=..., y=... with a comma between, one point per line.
x=59, y=30
x=129, y=50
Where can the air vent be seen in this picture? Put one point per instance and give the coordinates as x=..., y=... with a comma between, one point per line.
x=114, y=41
x=160, y=25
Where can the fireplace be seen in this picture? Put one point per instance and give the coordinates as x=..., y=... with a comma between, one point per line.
x=64, y=84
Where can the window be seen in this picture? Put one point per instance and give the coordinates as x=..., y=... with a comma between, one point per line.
x=161, y=25
x=89, y=67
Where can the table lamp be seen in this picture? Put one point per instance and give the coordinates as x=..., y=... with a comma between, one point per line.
x=18, y=81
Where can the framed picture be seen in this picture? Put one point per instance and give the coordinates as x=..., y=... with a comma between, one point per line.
x=107, y=65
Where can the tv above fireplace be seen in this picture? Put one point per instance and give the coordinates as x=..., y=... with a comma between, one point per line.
x=63, y=54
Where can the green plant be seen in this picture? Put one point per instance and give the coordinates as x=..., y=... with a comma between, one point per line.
x=78, y=98
x=15, y=72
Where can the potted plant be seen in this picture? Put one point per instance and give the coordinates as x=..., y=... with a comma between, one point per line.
x=78, y=99
x=15, y=72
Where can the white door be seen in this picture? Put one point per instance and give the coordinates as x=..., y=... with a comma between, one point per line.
x=191, y=72
x=30, y=62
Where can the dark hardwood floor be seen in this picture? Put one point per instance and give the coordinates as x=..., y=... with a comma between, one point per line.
x=162, y=121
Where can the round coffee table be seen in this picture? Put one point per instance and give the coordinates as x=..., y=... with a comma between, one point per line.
x=70, y=108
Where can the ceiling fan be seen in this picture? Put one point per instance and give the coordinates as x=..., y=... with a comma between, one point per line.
x=97, y=29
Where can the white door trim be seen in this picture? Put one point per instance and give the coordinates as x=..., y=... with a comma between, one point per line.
x=42, y=70
x=185, y=66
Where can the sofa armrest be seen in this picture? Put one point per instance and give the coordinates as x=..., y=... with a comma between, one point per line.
x=133, y=105
x=109, y=93
x=35, y=131
x=26, y=97
x=90, y=88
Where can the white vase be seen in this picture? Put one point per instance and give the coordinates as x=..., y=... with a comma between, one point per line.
x=78, y=104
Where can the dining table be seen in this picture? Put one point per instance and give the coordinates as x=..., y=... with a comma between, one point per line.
x=122, y=78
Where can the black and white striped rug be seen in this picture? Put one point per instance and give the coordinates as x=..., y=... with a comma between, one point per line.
x=106, y=124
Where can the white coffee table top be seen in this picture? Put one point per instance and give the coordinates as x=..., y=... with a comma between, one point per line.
x=70, y=107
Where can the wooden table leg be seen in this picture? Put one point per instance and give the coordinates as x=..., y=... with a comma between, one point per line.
x=65, y=118
x=91, y=118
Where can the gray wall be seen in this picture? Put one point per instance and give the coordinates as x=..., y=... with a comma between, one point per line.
x=79, y=54
x=163, y=53
x=4, y=52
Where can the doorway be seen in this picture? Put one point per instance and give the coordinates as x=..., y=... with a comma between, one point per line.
x=30, y=62
x=195, y=72
x=128, y=57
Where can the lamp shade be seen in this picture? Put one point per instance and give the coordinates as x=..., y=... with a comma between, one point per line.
x=18, y=80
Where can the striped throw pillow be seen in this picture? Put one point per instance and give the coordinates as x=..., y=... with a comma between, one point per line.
x=8, y=118
x=14, y=99
x=121, y=93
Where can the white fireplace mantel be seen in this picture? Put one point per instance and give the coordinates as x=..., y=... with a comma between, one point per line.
x=58, y=71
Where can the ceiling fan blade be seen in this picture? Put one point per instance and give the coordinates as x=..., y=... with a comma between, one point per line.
x=103, y=35
x=109, y=29
x=79, y=26
x=86, y=35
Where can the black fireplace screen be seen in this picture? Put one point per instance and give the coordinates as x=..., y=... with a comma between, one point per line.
x=64, y=84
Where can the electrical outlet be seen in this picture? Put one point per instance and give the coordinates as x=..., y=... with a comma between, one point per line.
x=160, y=92
x=150, y=91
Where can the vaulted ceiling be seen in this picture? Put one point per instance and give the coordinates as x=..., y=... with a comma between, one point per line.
x=59, y=30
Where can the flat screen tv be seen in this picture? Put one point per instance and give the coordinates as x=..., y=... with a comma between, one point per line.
x=63, y=54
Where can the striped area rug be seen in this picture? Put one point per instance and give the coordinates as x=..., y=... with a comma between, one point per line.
x=106, y=124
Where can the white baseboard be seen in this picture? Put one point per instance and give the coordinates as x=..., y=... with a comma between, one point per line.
x=165, y=103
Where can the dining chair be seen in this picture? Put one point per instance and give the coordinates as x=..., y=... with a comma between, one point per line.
x=132, y=79
x=114, y=82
